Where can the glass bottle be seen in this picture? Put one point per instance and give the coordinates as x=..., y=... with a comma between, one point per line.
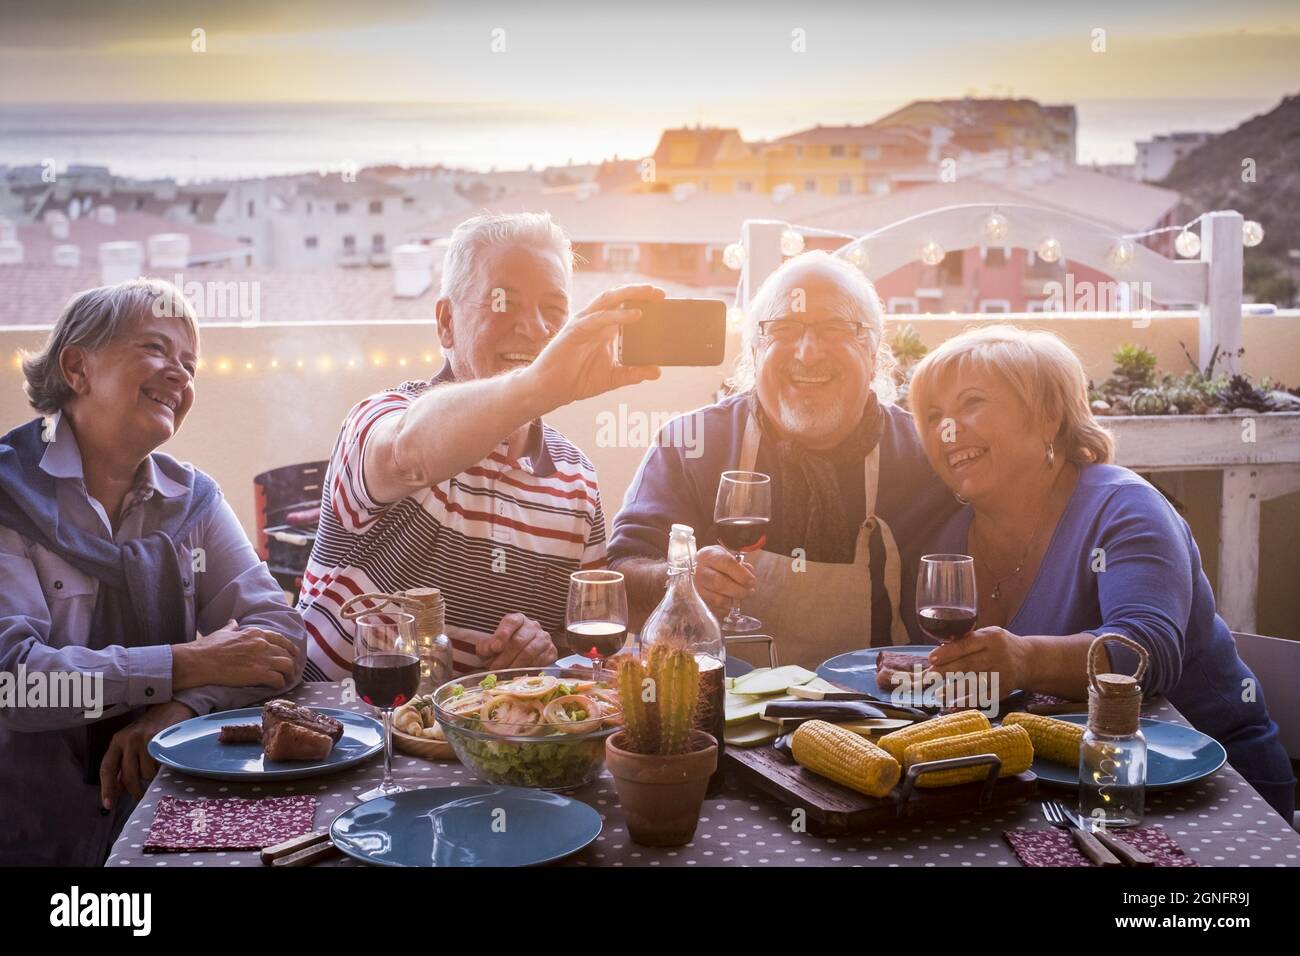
x=1113, y=755
x=684, y=620
x=431, y=641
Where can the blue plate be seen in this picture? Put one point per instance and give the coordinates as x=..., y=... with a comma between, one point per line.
x=856, y=670
x=466, y=826
x=191, y=747
x=1176, y=755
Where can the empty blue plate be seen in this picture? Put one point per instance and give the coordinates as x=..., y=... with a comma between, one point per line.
x=191, y=747
x=1176, y=755
x=466, y=826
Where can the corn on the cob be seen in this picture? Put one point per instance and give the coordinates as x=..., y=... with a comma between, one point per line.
x=1011, y=744
x=844, y=757
x=1057, y=740
x=949, y=725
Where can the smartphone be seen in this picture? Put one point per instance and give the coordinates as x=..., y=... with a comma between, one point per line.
x=674, y=332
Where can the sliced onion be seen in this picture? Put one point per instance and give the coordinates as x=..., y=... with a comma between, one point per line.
x=555, y=716
x=527, y=688
x=507, y=727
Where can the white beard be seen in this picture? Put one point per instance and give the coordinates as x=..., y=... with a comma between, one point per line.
x=809, y=421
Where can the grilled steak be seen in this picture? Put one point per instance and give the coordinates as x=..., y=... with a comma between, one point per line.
x=240, y=734
x=291, y=741
x=276, y=712
x=889, y=663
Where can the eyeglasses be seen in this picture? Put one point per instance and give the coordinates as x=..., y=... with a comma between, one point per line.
x=826, y=332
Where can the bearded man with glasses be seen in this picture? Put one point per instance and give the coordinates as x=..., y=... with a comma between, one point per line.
x=853, y=496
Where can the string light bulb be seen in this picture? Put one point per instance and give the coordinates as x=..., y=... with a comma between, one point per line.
x=791, y=242
x=735, y=318
x=1049, y=250
x=932, y=253
x=1188, y=244
x=1121, y=254
x=858, y=256
x=1252, y=233
x=733, y=256
x=996, y=227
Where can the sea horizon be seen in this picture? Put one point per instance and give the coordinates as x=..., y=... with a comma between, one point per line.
x=195, y=142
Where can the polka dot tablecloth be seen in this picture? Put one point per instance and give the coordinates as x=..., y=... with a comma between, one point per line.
x=1220, y=821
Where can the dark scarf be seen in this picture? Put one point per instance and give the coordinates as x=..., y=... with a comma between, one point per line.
x=812, y=508
x=141, y=599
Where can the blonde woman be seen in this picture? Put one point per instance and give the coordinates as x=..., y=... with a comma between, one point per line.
x=1068, y=546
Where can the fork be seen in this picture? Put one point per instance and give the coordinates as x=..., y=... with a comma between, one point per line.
x=1087, y=843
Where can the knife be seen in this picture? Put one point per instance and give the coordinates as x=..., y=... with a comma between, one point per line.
x=1126, y=851
x=831, y=710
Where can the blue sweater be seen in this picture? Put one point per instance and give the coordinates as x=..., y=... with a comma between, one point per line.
x=1154, y=591
x=672, y=486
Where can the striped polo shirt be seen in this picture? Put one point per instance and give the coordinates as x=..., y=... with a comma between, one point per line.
x=502, y=536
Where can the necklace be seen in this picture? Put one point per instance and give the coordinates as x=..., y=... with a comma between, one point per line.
x=996, y=593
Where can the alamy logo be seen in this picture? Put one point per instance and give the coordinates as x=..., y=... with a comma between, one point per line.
x=625, y=428
x=103, y=909
x=233, y=301
x=75, y=690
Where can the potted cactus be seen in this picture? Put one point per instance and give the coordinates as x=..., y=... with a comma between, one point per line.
x=660, y=763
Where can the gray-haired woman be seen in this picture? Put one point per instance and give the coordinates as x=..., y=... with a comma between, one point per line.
x=115, y=558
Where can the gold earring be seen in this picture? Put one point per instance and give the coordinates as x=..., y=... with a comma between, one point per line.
x=1051, y=454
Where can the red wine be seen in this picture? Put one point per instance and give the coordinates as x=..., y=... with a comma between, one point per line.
x=742, y=534
x=386, y=680
x=597, y=640
x=946, y=623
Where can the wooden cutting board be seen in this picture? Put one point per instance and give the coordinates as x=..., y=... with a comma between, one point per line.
x=834, y=810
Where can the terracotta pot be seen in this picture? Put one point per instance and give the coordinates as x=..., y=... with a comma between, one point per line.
x=662, y=795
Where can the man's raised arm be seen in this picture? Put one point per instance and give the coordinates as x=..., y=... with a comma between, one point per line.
x=449, y=428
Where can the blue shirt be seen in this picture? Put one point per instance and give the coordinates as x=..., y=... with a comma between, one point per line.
x=50, y=815
x=680, y=484
x=1153, y=590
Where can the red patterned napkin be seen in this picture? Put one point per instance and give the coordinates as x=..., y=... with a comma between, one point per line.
x=1055, y=847
x=228, y=823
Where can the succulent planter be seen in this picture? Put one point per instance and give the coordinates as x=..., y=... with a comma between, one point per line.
x=1176, y=442
x=662, y=795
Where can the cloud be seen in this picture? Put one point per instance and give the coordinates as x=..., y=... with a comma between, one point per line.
x=98, y=24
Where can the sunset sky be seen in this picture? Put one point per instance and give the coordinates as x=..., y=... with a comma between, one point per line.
x=679, y=58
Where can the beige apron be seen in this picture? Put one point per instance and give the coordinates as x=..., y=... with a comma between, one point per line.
x=815, y=610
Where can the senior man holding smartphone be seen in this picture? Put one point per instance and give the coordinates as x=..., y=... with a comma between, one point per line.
x=456, y=483
x=852, y=494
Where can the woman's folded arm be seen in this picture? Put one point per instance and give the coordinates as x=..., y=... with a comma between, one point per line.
x=48, y=687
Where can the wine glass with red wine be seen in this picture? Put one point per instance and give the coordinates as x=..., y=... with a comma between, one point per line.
x=945, y=595
x=596, y=622
x=740, y=519
x=386, y=671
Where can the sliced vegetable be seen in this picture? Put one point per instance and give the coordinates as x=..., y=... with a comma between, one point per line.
x=752, y=734
x=538, y=685
x=771, y=680
x=573, y=714
x=742, y=708
x=509, y=715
